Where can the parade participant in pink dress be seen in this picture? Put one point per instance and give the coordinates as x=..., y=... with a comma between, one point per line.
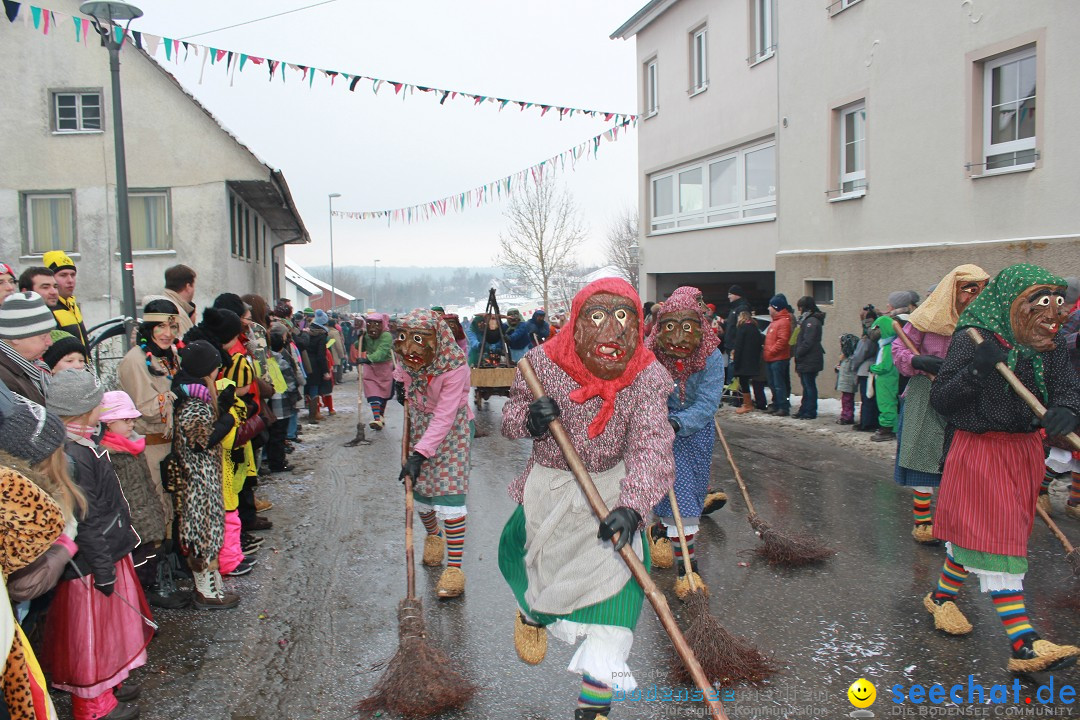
x=377, y=357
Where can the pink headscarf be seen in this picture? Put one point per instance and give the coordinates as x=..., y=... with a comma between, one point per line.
x=684, y=298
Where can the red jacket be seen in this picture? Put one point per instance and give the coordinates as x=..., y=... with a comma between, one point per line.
x=777, y=336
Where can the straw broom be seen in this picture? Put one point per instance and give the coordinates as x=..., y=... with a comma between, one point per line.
x=725, y=658
x=360, y=439
x=777, y=547
x=637, y=569
x=1072, y=555
x=419, y=680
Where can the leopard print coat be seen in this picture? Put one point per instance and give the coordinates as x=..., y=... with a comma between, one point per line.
x=200, y=504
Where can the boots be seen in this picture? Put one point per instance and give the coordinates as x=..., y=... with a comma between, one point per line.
x=747, y=404
x=210, y=592
x=328, y=400
x=313, y=411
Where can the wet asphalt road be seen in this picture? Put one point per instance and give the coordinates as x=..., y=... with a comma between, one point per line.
x=320, y=607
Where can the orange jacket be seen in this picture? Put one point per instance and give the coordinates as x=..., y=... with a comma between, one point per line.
x=777, y=336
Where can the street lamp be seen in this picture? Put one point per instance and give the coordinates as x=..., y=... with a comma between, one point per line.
x=333, y=288
x=634, y=253
x=106, y=15
x=374, y=285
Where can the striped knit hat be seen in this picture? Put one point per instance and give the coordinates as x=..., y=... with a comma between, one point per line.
x=24, y=315
x=240, y=371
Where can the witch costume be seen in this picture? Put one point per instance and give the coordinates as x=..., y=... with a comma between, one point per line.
x=994, y=456
x=564, y=577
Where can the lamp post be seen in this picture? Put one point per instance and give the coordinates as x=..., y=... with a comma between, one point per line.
x=105, y=16
x=333, y=288
x=634, y=252
x=374, y=284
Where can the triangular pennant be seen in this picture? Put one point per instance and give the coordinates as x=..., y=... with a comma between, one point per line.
x=152, y=43
x=352, y=84
x=138, y=39
x=45, y=22
x=169, y=49
x=35, y=12
x=397, y=86
x=11, y=9
x=243, y=60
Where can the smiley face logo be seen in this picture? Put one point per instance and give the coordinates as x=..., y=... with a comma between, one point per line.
x=862, y=693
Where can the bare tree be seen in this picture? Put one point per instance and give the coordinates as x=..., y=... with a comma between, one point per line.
x=543, y=234
x=622, y=234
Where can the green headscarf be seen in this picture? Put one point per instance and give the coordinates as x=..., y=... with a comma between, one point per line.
x=990, y=311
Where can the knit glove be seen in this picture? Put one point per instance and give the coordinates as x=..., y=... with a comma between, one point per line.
x=987, y=355
x=1059, y=420
x=412, y=465
x=928, y=363
x=541, y=412
x=621, y=520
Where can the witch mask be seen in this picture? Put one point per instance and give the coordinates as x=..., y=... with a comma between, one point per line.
x=966, y=291
x=679, y=334
x=416, y=346
x=606, y=334
x=1036, y=315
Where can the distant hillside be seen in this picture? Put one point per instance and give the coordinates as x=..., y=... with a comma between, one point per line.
x=402, y=273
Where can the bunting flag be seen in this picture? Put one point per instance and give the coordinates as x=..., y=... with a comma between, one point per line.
x=495, y=190
x=45, y=19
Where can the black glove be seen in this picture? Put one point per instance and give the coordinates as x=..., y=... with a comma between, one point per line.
x=541, y=412
x=675, y=424
x=365, y=361
x=105, y=590
x=1059, y=421
x=237, y=455
x=928, y=363
x=987, y=355
x=621, y=520
x=225, y=399
x=399, y=391
x=412, y=466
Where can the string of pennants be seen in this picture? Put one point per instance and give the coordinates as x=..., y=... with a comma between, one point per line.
x=176, y=51
x=495, y=190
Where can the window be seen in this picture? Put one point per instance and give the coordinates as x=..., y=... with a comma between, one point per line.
x=853, y=149
x=699, y=62
x=244, y=225
x=732, y=187
x=50, y=222
x=762, y=21
x=148, y=211
x=821, y=291
x=652, y=92
x=1009, y=111
x=77, y=111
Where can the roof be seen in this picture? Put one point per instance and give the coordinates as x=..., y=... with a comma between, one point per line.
x=608, y=271
x=301, y=274
x=642, y=18
x=306, y=287
x=271, y=198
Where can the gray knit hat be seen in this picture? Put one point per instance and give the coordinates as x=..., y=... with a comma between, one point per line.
x=73, y=393
x=23, y=315
x=26, y=429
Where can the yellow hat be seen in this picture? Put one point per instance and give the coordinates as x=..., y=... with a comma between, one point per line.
x=57, y=260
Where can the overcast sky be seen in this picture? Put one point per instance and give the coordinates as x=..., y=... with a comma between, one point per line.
x=380, y=152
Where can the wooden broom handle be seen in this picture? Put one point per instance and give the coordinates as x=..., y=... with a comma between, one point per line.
x=899, y=330
x=1055, y=529
x=1018, y=388
x=682, y=538
x=710, y=695
x=735, y=468
x=410, y=569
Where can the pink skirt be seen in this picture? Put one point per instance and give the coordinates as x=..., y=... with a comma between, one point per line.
x=988, y=491
x=91, y=641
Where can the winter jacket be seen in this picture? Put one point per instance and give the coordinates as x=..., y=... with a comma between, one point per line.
x=733, y=322
x=144, y=502
x=105, y=531
x=746, y=357
x=809, y=353
x=30, y=525
x=864, y=356
x=846, y=379
x=695, y=409
x=152, y=394
x=316, y=353
x=337, y=349
x=778, y=338
x=533, y=332
x=19, y=379
x=69, y=318
x=283, y=404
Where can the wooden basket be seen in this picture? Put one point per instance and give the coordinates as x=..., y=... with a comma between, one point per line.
x=493, y=377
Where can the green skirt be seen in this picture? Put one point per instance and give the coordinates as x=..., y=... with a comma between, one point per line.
x=621, y=609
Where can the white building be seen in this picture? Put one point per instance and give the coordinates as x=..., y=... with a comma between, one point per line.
x=198, y=196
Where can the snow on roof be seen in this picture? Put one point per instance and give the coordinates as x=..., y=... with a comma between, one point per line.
x=302, y=274
x=608, y=271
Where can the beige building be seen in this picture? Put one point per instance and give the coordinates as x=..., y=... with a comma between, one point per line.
x=198, y=196
x=910, y=137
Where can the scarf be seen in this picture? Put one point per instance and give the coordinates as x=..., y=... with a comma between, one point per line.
x=938, y=313
x=990, y=312
x=121, y=444
x=684, y=298
x=448, y=354
x=562, y=351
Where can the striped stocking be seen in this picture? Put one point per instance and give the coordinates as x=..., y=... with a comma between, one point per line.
x=455, y=541
x=431, y=522
x=376, y=407
x=1048, y=477
x=1013, y=615
x=921, y=506
x=1074, y=491
x=952, y=577
x=678, y=549
x=595, y=695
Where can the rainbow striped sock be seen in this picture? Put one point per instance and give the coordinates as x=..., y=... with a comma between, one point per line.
x=595, y=695
x=1013, y=615
x=678, y=548
x=1048, y=477
x=455, y=541
x=1074, y=491
x=921, y=507
x=952, y=577
x=376, y=408
x=431, y=522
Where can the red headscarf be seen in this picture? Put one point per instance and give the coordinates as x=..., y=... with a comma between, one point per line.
x=684, y=298
x=563, y=352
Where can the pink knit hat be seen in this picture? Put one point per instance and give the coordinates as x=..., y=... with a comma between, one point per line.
x=118, y=406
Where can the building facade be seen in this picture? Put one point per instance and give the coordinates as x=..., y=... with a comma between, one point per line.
x=909, y=138
x=197, y=195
